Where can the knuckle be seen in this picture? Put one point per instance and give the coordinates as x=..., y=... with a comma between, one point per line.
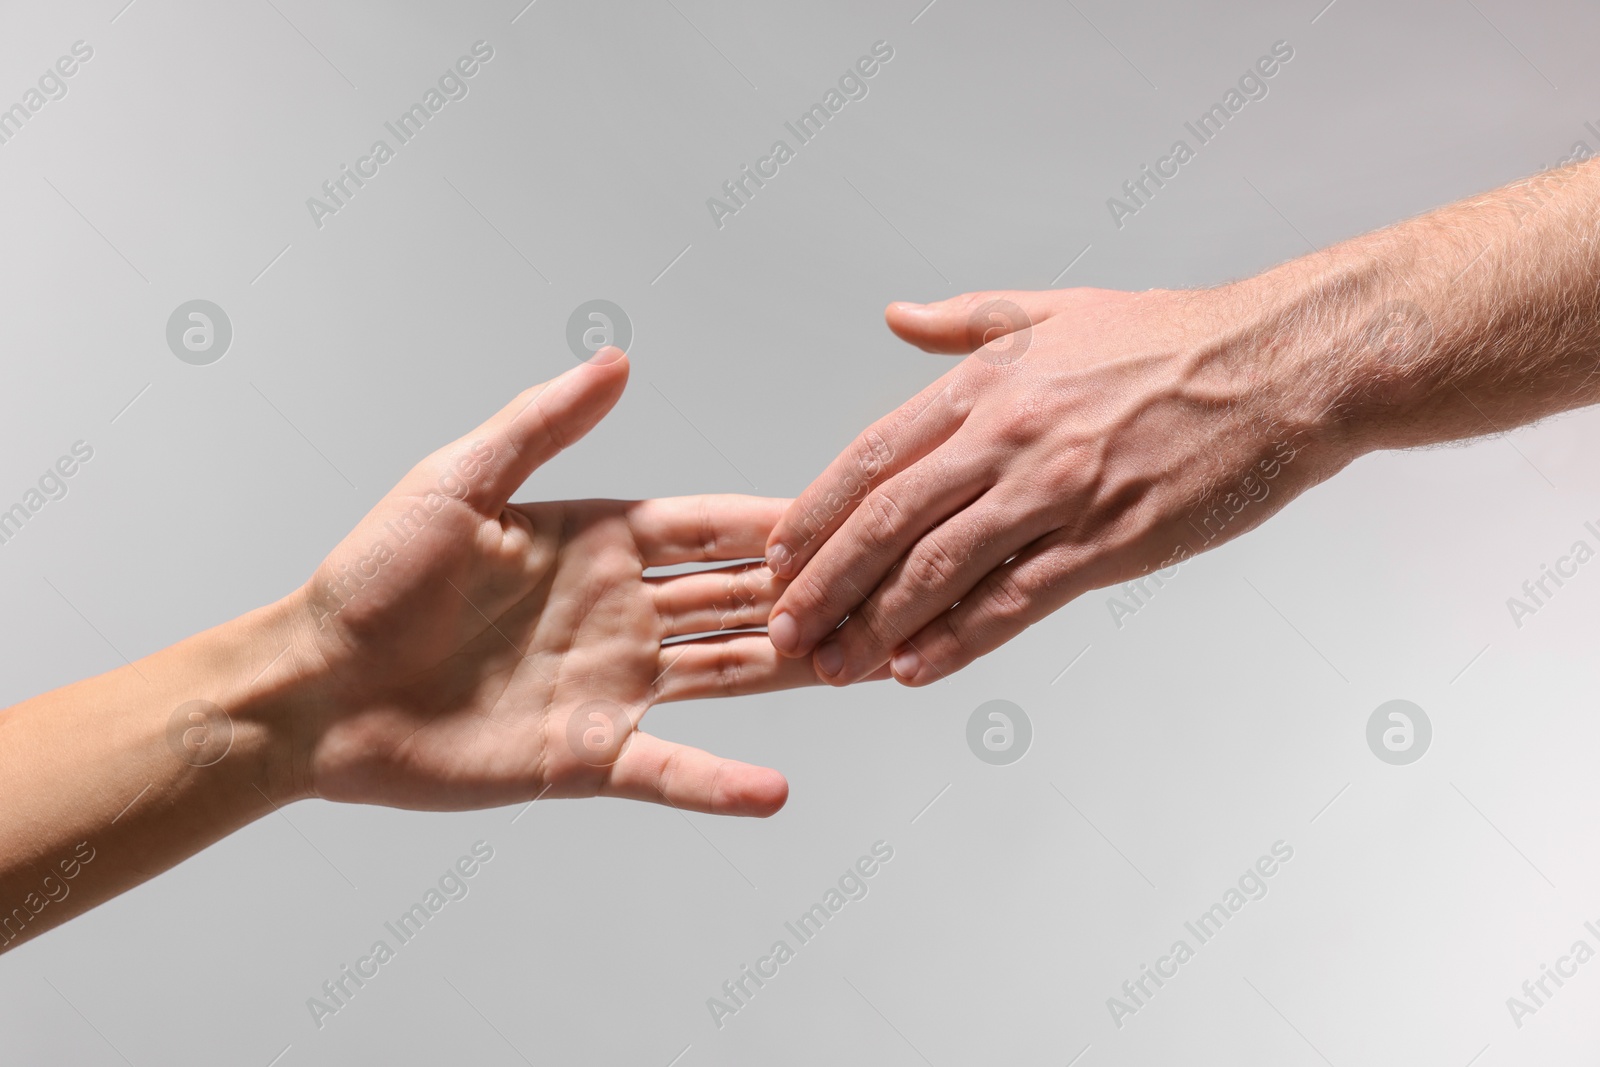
x=873, y=453
x=713, y=791
x=930, y=564
x=666, y=772
x=947, y=646
x=1008, y=600
x=730, y=670
x=877, y=627
x=708, y=531
x=810, y=594
x=1027, y=419
x=882, y=520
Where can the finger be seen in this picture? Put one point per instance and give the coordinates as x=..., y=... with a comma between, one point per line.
x=729, y=598
x=664, y=772
x=885, y=448
x=937, y=572
x=689, y=529
x=731, y=665
x=967, y=322
x=1043, y=577
x=489, y=464
x=877, y=534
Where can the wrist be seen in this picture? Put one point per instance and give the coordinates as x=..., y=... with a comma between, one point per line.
x=273, y=686
x=1272, y=389
x=1339, y=355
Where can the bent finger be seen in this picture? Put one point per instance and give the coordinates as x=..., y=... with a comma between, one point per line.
x=855, y=560
x=938, y=571
x=1012, y=597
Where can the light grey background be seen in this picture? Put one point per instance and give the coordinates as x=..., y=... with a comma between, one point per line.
x=1228, y=715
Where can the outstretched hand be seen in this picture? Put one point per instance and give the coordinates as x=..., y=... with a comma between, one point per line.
x=481, y=653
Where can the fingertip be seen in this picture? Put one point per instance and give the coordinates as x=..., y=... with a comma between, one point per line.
x=607, y=356
x=902, y=316
x=608, y=370
x=761, y=792
x=910, y=669
x=930, y=327
x=781, y=560
x=784, y=633
x=829, y=661
x=834, y=667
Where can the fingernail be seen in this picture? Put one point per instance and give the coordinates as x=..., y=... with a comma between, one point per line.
x=905, y=663
x=784, y=632
x=780, y=558
x=830, y=659
x=608, y=354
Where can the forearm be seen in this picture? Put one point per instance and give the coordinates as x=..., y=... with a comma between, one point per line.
x=106, y=783
x=1474, y=318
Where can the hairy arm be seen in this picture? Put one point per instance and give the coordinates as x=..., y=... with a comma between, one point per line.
x=1091, y=437
x=1474, y=318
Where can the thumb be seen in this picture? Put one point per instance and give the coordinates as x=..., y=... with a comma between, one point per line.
x=496, y=458
x=965, y=323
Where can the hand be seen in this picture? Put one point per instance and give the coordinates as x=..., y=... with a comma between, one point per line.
x=1085, y=441
x=479, y=653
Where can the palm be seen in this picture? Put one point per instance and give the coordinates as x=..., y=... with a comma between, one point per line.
x=497, y=653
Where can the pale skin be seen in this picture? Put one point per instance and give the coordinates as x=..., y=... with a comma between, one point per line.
x=499, y=654
x=1084, y=438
